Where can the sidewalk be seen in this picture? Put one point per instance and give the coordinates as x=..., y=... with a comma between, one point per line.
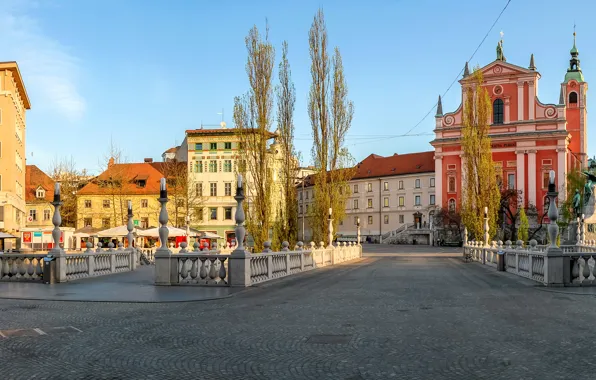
x=134, y=286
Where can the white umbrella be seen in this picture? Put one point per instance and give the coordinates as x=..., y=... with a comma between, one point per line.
x=154, y=232
x=210, y=235
x=116, y=231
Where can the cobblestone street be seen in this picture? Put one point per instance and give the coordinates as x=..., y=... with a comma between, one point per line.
x=386, y=316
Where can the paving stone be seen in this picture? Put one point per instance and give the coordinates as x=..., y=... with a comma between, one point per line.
x=424, y=318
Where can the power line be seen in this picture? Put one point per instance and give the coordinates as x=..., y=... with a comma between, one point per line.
x=460, y=72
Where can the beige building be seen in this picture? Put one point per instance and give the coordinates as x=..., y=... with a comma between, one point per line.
x=39, y=193
x=386, y=194
x=14, y=103
x=212, y=156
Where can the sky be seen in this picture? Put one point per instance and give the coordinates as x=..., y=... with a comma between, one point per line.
x=141, y=72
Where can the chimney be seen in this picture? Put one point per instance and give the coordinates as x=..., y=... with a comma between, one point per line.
x=148, y=160
x=110, y=162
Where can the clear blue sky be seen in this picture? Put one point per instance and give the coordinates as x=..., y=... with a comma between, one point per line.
x=145, y=71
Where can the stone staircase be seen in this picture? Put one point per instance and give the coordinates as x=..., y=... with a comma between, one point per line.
x=408, y=234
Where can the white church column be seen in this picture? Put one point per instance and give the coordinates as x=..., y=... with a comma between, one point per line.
x=439, y=180
x=561, y=171
x=520, y=100
x=532, y=177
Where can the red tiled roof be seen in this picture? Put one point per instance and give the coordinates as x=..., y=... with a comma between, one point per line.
x=375, y=166
x=126, y=173
x=34, y=178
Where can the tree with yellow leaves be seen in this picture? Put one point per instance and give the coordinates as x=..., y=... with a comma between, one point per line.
x=480, y=184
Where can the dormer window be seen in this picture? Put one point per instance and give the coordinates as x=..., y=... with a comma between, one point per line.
x=40, y=193
x=141, y=183
x=498, y=111
x=141, y=180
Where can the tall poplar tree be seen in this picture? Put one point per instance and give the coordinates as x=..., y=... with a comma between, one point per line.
x=331, y=115
x=480, y=185
x=253, y=116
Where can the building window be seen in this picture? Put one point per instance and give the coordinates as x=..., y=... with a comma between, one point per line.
x=105, y=223
x=33, y=215
x=180, y=203
x=369, y=187
x=451, y=184
x=144, y=203
x=401, y=201
x=41, y=193
x=199, y=214
x=228, y=213
x=212, y=166
x=301, y=195
x=432, y=182
x=213, y=189
x=385, y=202
x=432, y=199
x=300, y=209
x=199, y=189
x=355, y=189
x=198, y=146
x=307, y=209
x=145, y=222
x=386, y=219
x=401, y=219
x=341, y=222
x=228, y=189
x=370, y=219
x=213, y=213
x=498, y=111
x=306, y=194
x=87, y=203
x=87, y=222
x=547, y=162
x=227, y=166
x=452, y=205
x=369, y=203
x=198, y=166
x=573, y=98
x=545, y=180
x=212, y=146
x=511, y=181
x=355, y=204
x=227, y=145
x=401, y=185
x=417, y=200
x=46, y=214
x=106, y=203
x=386, y=186
x=451, y=167
x=417, y=185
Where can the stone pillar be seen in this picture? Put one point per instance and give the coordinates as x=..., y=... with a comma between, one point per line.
x=164, y=270
x=532, y=177
x=239, y=263
x=555, y=263
x=531, y=100
x=486, y=227
x=507, y=110
x=521, y=173
x=358, y=230
x=520, y=100
x=130, y=237
x=57, y=251
x=438, y=181
x=330, y=236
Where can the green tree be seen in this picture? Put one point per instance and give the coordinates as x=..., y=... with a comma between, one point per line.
x=524, y=226
x=330, y=114
x=253, y=116
x=480, y=187
x=286, y=224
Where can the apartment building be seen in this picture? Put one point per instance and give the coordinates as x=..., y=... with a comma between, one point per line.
x=14, y=104
x=386, y=193
x=39, y=193
x=212, y=157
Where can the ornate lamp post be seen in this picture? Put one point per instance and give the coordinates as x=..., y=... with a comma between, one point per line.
x=188, y=229
x=358, y=230
x=57, y=221
x=486, y=226
x=553, y=212
x=240, y=230
x=330, y=227
x=130, y=226
x=163, y=217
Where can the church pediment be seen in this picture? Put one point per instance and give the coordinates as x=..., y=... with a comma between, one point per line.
x=500, y=68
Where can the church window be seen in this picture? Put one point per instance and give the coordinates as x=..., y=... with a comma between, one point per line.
x=498, y=111
x=573, y=98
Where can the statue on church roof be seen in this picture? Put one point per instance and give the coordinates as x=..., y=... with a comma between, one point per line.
x=500, y=52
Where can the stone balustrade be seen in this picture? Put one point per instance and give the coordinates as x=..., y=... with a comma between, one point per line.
x=21, y=267
x=209, y=268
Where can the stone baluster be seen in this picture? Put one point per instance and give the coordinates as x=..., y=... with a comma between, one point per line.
x=465, y=236
x=239, y=264
x=583, y=230
x=195, y=247
x=285, y=246
x=99, y=247
x=508, y=244
x=519, y=245
x=132, y=258
x=214, y=246
x=300, y=245
x=57, y=251
x=358, y=230
x=330, y=221
x=533, y=244
x=267, y=247
x=486, y=236
x=163, y=256
x=183, y=246
x=554, y=271
x=89, y=246
x=578, y=231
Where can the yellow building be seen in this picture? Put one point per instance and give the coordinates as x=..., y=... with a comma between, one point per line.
x=39, y=193
x=102, y=203
x=212, y=157
x=14, y=103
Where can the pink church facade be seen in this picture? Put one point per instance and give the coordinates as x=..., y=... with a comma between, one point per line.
x=529, y=138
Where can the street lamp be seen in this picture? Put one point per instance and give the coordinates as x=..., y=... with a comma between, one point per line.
x=188, y=230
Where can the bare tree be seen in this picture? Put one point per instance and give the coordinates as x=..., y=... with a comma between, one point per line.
x=114, y=182
x=253, y=116
x=286, y=224
x=331, y=115
x=185, y=193
x=64, y=171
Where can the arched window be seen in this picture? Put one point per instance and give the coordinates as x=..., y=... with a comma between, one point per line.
x=498, y=111
x=452, y=205
x=573, y=98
